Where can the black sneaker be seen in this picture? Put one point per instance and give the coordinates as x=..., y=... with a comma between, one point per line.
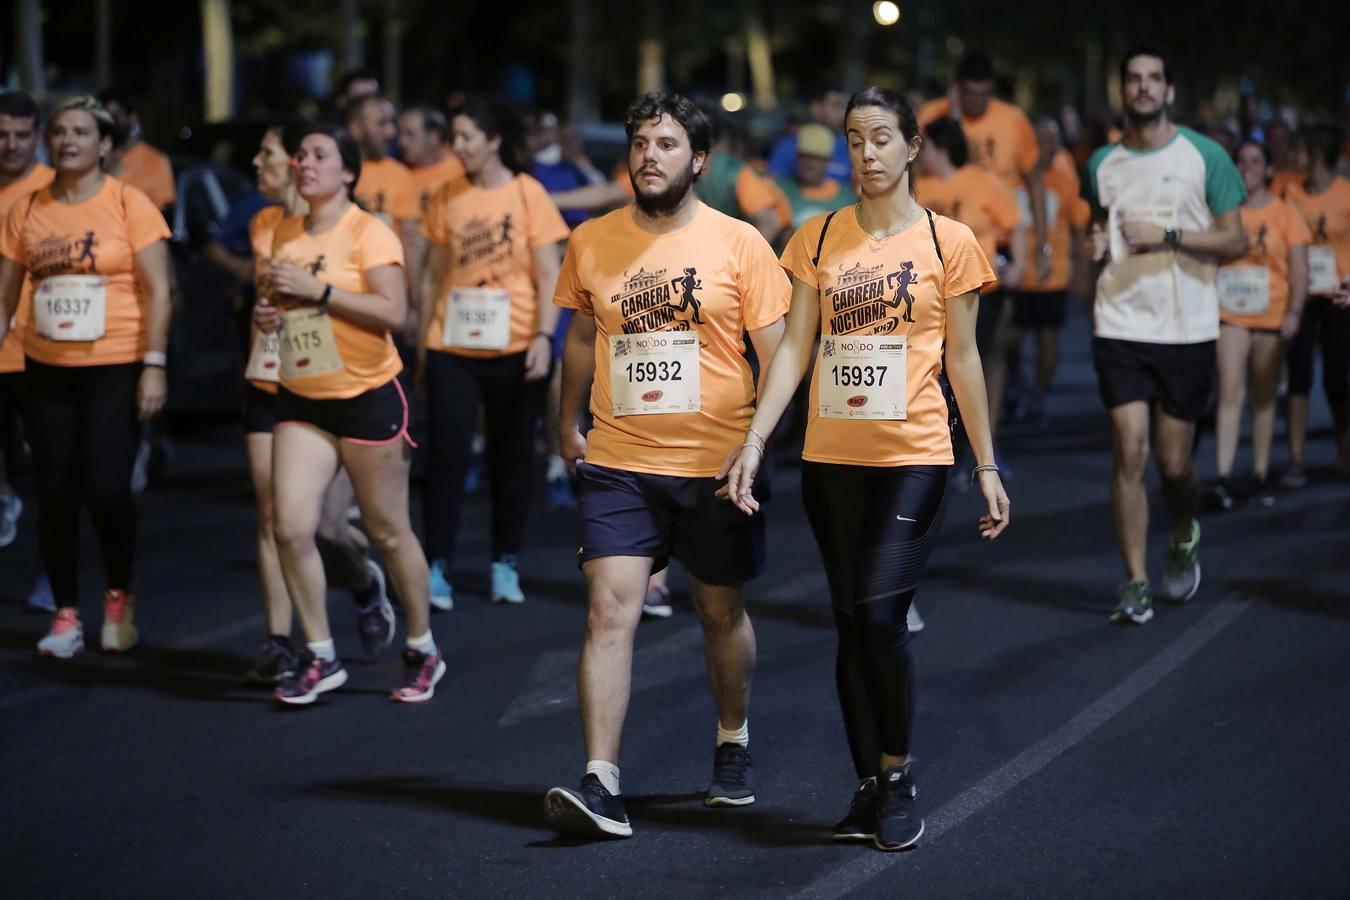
x=374, y=615
x=275, y=661
x=731, y=777
x=588, y=811
x=860, y=824
x=899, y=825
x=1260, y=493
x=1219, y=497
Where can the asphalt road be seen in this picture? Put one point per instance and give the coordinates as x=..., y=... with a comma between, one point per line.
x=1202, y=755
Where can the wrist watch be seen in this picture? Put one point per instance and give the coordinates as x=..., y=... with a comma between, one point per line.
x=1172, y=238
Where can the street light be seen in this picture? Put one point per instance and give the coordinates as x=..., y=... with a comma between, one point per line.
x=885, y=12
x=733, y=101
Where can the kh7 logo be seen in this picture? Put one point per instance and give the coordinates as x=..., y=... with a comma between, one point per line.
x=857, y=400
x=651, y=396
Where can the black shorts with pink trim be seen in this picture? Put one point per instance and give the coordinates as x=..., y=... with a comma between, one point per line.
x=379, y=416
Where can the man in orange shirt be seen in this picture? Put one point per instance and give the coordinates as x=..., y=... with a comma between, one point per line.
x=665, y=291
x=423, y=135
x=20, y=175
x=1001, y=140
x=133, y=160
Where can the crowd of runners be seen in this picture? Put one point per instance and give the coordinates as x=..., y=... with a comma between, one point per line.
x=467, y=285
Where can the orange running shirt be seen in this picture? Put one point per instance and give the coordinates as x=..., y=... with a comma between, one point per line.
x=1328, y=218
x=896, y=286
x=977, y=200
x=1070, y=213
x=1271, y=231
x=386, y=188
x=1284, y=179
x=342, y=256
x=717, y=277
x=100, y=236
x=491, y=236
x=148, y=169
x=1001, y=141
x=11, y=351
x=261, y=233
x=427, y=180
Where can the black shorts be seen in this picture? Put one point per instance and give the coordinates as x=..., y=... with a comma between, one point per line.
x=1179, y=377
x=260, y=410
x=379, y=416
x=1044, y=309
x=11, y=395
x=663, y=517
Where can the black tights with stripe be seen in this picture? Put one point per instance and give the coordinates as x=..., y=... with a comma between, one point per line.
x=875, y=527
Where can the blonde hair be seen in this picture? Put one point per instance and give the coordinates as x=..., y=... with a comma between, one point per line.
x=107, y=125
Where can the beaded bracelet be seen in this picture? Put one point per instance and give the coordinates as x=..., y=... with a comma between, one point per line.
x=978, y=469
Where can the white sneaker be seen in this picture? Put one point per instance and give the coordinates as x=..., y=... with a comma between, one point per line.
x=913, y=619
x=66, y=637
x=119, y=622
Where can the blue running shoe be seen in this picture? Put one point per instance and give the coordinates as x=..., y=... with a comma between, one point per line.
x=40, y=599
x=506, y=582
x=442, y=595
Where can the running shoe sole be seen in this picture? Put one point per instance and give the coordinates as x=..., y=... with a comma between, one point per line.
x=662, y=611
x=52, y=654
x=844, y=837
x=514, y=601
x=109, y=639
x=568, y=815
x=429, y=693
x=892, y=848
x=444, y=604
x=1195, y=588
x=1124, y=618
x=331, y=683
x=729, y=801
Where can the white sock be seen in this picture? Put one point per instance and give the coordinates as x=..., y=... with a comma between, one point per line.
x=557, y=469
x=739, y=736
x=607, y=772
x=422, y=644
x=323, y=650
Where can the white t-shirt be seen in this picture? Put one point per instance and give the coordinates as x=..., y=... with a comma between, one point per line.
x=1165, y=296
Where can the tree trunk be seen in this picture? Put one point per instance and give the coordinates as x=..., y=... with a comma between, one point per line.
x=583, y=103
x=218, y=47
x=28, y=46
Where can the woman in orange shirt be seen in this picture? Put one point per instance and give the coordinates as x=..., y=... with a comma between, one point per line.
x=335, y=287
x=1261, y=300
x=1324, y=201
x=343, y=546
x=487, y=336
x=95, y=355
x=891, y=288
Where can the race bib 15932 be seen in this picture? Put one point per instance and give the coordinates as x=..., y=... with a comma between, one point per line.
x=654, y=372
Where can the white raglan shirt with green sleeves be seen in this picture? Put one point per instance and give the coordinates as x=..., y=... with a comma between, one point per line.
x=1166, y=296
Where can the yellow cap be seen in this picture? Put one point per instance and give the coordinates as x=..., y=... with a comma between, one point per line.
x=815, y=140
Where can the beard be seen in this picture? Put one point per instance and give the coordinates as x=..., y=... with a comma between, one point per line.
x=666, y=201
x=1146, y=118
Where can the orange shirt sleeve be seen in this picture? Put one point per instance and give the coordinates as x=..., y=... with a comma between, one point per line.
x=966, y=268
x=801, y=249
x=752, y=195
x=765, y=289
x=145, y=223
x=544, y=223
x=378, y=245
x=570, y=294
x=1296, y=228
x=11, y=237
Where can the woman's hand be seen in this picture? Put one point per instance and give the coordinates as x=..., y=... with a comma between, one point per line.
x=150, y=392
x=295, y=281
x=538, y=357
x=739, y=470
x=265, y=316
x=993, y=522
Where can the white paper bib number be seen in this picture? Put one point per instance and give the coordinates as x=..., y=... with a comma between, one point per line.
x=1321, y=269
x=1162, y=215
x=478, y=319
x=1244, y=290
x=862, y=378
x=654, y=372
x=307, y=346
x=264, y=361
x=71, y=307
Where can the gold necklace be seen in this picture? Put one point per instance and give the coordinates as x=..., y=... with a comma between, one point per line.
x=876, y=243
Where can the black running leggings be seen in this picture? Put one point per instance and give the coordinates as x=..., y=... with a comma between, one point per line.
x=875, y=527
x=82, y=424
x=1326, y=325
x=457, y=388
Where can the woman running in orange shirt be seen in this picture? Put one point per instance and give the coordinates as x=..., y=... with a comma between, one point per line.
x=891, y=288
x=335, y=287
x=97, y=252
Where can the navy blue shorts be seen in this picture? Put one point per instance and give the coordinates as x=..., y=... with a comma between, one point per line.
x=667, y=517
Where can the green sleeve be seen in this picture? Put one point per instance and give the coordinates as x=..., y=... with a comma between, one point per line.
x=1224, y=190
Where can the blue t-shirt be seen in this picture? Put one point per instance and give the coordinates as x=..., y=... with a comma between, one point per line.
x=232, y=231
x=563, y=176
x=783, y=159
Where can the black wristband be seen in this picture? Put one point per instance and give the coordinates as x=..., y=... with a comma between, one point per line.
x=325, y=296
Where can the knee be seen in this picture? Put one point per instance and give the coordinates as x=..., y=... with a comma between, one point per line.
x=1175, y=466
x=292, y=532
x=722, y=618
x=389, y=538
x=607, y=614
x=266, y=517
x=1131, y=458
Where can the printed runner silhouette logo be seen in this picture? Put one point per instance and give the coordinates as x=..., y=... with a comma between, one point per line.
x=863, y=299
x=651, y=301
x=87, y=250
